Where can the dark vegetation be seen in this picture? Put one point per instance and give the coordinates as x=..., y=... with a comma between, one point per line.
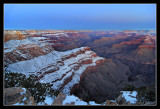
x=38, y=90
x=145, y=93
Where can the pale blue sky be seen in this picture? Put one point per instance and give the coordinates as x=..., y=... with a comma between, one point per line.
x=80, y=16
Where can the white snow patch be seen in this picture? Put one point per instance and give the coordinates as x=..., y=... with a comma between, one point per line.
x=72, y=98
x=128, y=96
x=93, y=103
x=24, y=89
x=40, y=103
x=19, y=103
x=6, y=50
x=49, y=100
x=113, y=100
x=25, y=98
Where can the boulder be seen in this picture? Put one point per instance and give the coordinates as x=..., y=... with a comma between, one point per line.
x=59, y=99
x=110, y=103
x=17, y=95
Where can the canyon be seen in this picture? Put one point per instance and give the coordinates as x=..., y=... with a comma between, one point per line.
x=93, y=65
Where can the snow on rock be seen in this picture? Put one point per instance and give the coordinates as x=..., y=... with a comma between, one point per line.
x=55, y=34
x=93, y=103
x=24, y=89
x=25, y=98
x=65, y=99
x=18, y=103
x=40, y=103
x=49, y=100
x=73, y=99
x=18, y=96
x=57, y=67
x=11, y=45
x=130, y=96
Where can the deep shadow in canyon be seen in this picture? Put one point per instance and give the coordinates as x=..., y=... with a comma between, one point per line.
x=126, y=65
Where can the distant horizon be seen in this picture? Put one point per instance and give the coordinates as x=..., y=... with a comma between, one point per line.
x=76, y=30
x=79, y=16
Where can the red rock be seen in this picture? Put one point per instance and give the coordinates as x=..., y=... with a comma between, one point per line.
x=61, y=63
x=88, y=61
x=63, y=76
x=74, y=88
x=67, y=80
x=88, y=70
x=94, y=55
x=58, y=45
x=87, y=49
x=100, y=62
x=131, y=42
x=110, y=103
x=147, y=46
x=76, y=67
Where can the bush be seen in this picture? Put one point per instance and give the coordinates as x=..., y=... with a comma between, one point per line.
x=129, y=87
x=38, y=90
x=146, y=93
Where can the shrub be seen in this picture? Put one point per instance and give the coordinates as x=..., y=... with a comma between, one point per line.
x=38, y=90
x=146, y=93
x=129, y=87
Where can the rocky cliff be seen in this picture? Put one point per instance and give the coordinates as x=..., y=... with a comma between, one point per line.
x=61, y=69
x=16, y=50
x=103, y=83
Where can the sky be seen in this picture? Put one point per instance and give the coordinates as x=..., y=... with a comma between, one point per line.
x=79, y=16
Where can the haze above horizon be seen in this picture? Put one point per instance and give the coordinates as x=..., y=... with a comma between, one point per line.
x=79, y=16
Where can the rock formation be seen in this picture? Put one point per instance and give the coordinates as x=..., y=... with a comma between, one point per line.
x=59, y=99
x=61, y=69
x=69, y=60
x=17, y=96
x=103, y=83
